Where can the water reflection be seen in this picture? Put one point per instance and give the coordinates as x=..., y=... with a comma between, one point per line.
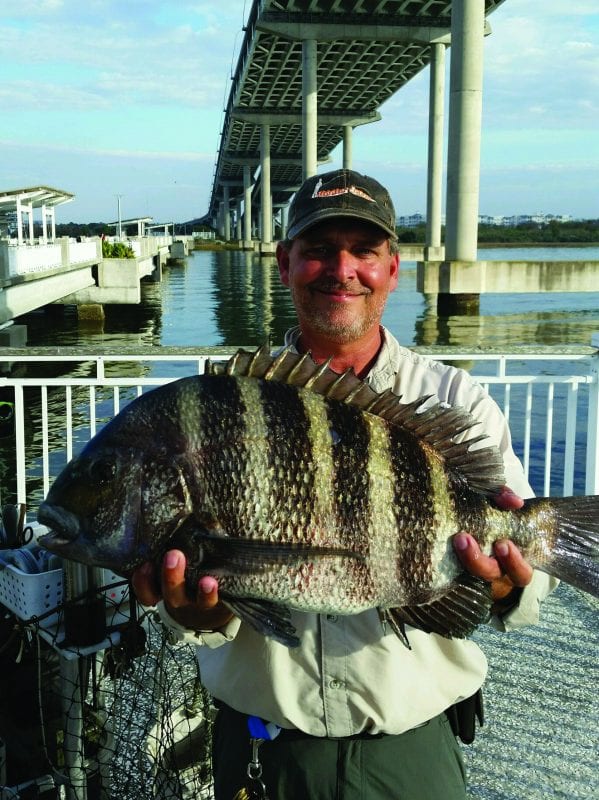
x=236, y=298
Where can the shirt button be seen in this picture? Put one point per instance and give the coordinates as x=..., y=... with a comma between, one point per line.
x=335, y=684
x=332, y=617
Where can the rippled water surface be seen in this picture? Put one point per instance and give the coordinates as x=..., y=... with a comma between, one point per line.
x=234, y=298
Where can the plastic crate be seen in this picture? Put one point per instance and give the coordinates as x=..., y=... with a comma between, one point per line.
x=31, y=595
x=117, y=593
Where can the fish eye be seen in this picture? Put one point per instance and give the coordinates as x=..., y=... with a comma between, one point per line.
x=103, y=470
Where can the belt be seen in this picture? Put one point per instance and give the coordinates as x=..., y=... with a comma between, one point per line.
x=294, y=734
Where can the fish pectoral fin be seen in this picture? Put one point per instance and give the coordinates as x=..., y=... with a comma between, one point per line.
x=243, y=556
x=267, y=618
x=456, y=614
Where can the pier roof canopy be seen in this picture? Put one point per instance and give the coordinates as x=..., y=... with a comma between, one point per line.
x=132, y=221
x=36, y=196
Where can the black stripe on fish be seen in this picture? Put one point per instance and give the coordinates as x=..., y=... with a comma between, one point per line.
x=412, y=479
x=289, y=446
x=351, y=483
x=222, y=404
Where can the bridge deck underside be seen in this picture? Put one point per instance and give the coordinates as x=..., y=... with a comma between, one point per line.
x=367, y=50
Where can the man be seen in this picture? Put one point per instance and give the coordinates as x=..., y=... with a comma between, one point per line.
x=362, y=715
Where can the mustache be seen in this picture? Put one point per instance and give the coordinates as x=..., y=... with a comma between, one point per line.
x=332, y=285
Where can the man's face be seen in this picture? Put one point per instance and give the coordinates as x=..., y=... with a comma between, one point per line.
x=340, y=273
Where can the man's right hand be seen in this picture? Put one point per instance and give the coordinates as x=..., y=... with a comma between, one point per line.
x=205, y=613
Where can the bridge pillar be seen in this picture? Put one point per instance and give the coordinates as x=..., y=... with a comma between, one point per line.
x=463, y=159
x=309, y=108
x=226, y=214
x=247, y=209
x=265, y=195
x=221, y=219
x=284, y=210
x=465, y=111
x=433, y=251
x=238, y=229
x=347, y=146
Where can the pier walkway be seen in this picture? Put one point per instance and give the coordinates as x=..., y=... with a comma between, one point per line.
x=37, y=271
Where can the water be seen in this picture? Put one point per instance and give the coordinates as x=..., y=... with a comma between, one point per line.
x=235, y=298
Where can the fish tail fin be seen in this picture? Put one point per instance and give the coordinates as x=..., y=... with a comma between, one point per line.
x=573, y=552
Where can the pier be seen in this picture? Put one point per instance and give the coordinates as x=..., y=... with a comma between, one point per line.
x=35, y=272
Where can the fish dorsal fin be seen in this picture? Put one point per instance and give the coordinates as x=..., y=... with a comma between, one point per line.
x=435, y=423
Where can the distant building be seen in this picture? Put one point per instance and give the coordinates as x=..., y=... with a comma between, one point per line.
x=413, y=220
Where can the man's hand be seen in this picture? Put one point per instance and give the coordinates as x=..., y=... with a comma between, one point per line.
x=205, y=613
x=506, y=569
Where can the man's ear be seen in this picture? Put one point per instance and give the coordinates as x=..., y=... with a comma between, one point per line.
x=394, y=272
x=283, y=263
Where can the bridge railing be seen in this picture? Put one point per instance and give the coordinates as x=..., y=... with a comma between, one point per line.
x=551, y=400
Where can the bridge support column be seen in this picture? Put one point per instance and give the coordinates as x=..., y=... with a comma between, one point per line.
x=265, y=195
x=463, y=163
x=284, y=210
x=309, y=108
x=238, y=229
x=247, y=209
x=433, y=251
x=347, y=146
x=226, y=214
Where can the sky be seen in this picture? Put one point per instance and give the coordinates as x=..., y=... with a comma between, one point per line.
x=104, y=98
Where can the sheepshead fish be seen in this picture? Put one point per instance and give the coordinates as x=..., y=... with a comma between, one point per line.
x=297, y=487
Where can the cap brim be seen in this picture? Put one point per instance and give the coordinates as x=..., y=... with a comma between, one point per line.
x=331, y=213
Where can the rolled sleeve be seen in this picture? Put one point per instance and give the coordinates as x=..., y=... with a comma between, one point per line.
x=211, y=639
x=528, y=608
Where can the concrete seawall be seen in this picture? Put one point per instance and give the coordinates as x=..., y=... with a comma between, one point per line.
x=480, y=277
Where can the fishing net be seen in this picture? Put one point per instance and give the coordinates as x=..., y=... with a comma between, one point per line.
x=130, y=720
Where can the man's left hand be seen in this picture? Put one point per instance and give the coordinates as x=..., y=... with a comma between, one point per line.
x=506, y=569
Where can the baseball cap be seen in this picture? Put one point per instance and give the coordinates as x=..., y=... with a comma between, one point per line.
x=340, y=193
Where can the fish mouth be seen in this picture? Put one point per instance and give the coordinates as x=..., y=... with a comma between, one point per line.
x=64, y=527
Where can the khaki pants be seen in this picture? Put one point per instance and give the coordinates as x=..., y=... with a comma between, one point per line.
x=422, y=764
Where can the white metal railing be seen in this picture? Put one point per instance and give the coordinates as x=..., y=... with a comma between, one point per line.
x=550, y=399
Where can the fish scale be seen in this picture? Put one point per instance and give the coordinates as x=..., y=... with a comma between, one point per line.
x=299, y=488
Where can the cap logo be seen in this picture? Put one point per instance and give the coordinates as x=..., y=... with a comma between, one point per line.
x=318, y=192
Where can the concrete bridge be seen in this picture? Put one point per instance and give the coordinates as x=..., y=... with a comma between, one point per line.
x=310, y=71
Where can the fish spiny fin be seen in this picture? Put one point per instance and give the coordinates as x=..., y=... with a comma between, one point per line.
x=464, y=607
x=267, y=618
x=437, y=424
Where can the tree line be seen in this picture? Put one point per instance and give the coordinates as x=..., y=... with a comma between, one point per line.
x=553, y=232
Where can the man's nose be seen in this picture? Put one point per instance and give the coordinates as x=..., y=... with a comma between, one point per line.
x=342, y=265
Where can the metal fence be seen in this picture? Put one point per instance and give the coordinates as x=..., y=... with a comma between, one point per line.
x=549, y=396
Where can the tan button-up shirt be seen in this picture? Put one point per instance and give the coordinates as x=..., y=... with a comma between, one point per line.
x=348, y=674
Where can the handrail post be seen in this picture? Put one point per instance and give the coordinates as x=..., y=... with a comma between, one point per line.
x=592, y=464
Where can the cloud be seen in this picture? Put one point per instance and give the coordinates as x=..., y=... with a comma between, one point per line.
x=161, y=155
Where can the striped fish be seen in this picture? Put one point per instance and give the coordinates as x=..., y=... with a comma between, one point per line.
x=297, y=487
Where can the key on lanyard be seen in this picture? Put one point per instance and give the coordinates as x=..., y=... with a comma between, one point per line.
x=254, y=788
x=260, y=731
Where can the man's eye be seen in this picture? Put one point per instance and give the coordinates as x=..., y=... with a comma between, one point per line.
x=317, y=252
